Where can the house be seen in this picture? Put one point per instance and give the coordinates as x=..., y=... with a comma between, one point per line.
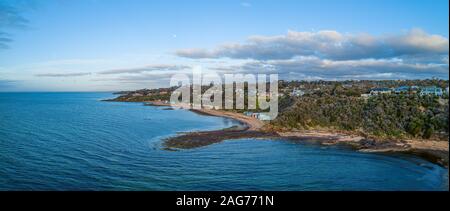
x=378, y=91
x=297, y=93
x=264, y=117
x=402, y=89
x=251, y=114
x=365, y=96
x=406, y=89
x=137, y=95
x=347, y=85
x=255, y=115
x=431, y=90
x=260, y=116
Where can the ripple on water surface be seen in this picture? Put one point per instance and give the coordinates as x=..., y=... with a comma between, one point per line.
x=73, y=141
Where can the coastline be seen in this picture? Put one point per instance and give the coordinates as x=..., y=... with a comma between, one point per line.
x=252, y=124
x=431, y=150
x=251, y=128
x=434, y=151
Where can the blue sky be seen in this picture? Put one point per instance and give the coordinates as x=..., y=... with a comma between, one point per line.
x=102, y=45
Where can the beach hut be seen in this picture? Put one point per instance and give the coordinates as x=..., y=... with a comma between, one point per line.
x=378, y=91
x=264, y=117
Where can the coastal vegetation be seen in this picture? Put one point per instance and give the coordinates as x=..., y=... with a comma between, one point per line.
x=387, y=116
x=378, y=116
x=341, y=106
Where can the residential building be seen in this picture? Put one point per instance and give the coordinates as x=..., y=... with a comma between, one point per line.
x=297, y=93
x=378, y=91
x=264, y=117
x=431, y=90
x=406, y=89
x=365, y=96
x=402, y=89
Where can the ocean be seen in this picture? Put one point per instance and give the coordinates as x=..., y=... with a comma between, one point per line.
x=75, y=141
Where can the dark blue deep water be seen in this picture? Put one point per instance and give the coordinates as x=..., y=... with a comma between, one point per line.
x=73, y=141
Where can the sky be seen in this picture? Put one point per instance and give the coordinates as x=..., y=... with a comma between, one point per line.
x=109, y=45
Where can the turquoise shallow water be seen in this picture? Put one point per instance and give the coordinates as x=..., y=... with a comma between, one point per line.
x=73, y=141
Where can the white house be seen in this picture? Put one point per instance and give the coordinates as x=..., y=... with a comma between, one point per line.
x=378, y=91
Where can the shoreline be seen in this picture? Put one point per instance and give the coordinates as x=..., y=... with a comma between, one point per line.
x=251, y=123
x=431, y=150
x=250, y=128
x=434, y=151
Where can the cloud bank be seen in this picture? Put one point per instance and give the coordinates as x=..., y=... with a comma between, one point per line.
x=327, y=45
x=62, y=75
x=149, y=68
x=330, y=54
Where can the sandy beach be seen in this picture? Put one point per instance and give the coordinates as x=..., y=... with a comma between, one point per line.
x=252, y=123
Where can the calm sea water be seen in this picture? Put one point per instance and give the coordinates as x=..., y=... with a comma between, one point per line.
x=73, y=141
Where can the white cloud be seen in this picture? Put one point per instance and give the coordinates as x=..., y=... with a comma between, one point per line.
x=417, y=41
x=58, y=75
x=311, y=67
x=333, y=55
x=328, y=45
x=149, y=68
